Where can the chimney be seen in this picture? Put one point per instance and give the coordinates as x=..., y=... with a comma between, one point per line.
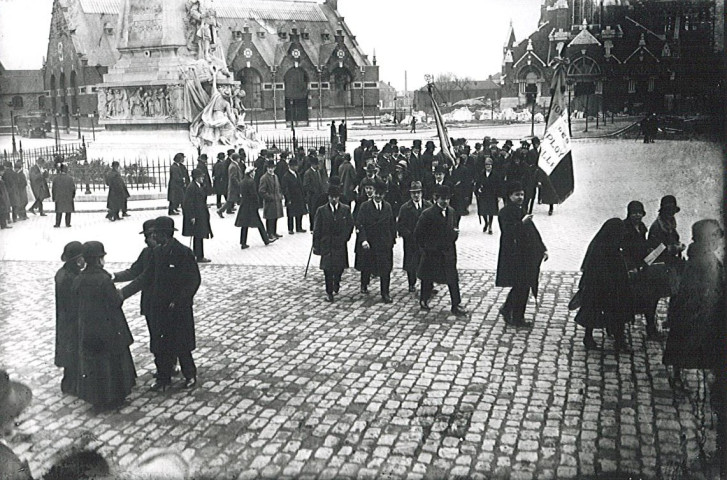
x=332, y=3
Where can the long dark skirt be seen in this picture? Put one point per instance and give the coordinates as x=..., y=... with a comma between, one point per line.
x=106, y=378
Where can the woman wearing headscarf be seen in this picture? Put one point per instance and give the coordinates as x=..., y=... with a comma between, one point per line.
x=697, y=310
x=66, y=354
x=606, y=300
x=107, y=372
x=487, y=190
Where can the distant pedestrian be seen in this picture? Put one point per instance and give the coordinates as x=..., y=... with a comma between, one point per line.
x=406, y=224
x=11, y=184
x=219, y=178
x=117, y=193
x=178, y=181
x=606, y=300
x=272, y=194
x=5, y=204
x=196, y=217
x=67, y=349
x=436, y=234
x=295, y=205
x=343, y=133
x=521, y=253
x=697, y=311
x=107, y=372
x=22, y=192
x=173, y=278
x=63, y=193
x=39, y=185
x=331, y=233
x=347, y=174
x=234, y=178
x=413, y=128
x=248, y=215
x=487, y=190
x=206, y=180
x=334, y=135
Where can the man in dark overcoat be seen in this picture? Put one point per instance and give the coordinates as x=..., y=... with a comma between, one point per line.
x=405, y=224
x=63, y=193
x=234, y=178
x=334, y=133
x=134, y=271
x=295, y=205
x=416, y=163
x=375, y=239
x=358, y=158
x=206, y=180
x=342, y=133
x=347, y=174
x=272, y=195
x=11, y=183
x=178, y=181
x=521, y=252
x=196, y=217
x=173, y=279
x=39, y=185
x=5, y=206
x=66, y=355
x=331, y=233
x=248, y=215
x=219, y=178
x=314, y=186
x=436, y=232
x=22, y=191
x=117, y=193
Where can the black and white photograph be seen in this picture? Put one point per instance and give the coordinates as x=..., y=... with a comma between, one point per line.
x=504, y=253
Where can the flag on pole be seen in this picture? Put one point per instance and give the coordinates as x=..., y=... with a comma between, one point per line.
x=556, y=159
x=445, y=143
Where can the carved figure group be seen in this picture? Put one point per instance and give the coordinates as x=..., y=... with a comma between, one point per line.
x=153, y=102
x=202, y=28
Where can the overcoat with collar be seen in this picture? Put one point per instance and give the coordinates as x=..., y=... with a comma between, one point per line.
x=293, y=192
x=63, y=192
x=247, y=214
x=194, y=208
x=331, y=234
x=521, y=250
x=178, y=180
x=436, y=236
x=378, y=228
x=406, y=224
x=272, y=195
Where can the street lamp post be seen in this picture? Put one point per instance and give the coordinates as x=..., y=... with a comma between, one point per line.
x=57, y=133
x=93, y=125
x=78, y=122
x=12, y=131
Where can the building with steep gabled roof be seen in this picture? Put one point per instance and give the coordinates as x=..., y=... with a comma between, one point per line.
x=623, y=55
x=291, y=56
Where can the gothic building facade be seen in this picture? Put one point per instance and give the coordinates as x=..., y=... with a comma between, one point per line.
x=630, y=56
x=294, y=59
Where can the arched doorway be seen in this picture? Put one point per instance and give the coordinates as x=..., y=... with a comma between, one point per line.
x=296, y=95
x=251, y=82
x=65, y=114
x=342, y=94
x=585, y=74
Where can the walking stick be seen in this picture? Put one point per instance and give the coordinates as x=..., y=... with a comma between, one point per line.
x=308, y=264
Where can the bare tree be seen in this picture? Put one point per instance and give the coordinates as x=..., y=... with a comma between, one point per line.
x=444, y=83
x=462, y=84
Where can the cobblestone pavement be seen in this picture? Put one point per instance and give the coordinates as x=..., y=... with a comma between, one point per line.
x=292, y=387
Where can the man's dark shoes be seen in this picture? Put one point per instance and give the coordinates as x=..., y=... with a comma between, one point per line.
x=506, y=315
x=412, y=288
x=125, y=215
x=329, y=298
x=336, y=288
x=244, y=246
x=291, y=232
x=459, y=311
x=301, y=231
x=590, y=343
x=159, y=387
x=42, y=214
x=364, y=289
x=203, y=260
x=222, y=215
x=424, y=305
x=386, y=298
x=189, y=383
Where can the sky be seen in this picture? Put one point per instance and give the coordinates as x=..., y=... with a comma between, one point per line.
x=421, y=37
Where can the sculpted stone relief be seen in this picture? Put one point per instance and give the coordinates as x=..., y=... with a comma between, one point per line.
x=138, y=102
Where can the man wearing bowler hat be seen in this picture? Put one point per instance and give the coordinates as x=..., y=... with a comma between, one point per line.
x=196, y=219
x=376, y=235
x=436, y=233
x=172, y=278
x=331, y=233
x=178, y=181
x=406, y=224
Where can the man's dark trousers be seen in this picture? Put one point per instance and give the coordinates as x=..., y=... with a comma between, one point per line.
x=333, y=280
x=454, y=295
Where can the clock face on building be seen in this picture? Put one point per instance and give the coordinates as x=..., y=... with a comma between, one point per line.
x=247, y=53
x=341, y=54
x=295, y=53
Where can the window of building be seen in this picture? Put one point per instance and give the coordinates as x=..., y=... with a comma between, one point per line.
x=261, y=34
x=651, y=84
x=632, y=86
x=17, y=102
x=325, y=37
x=108, y=28
x=41, y=102
x=283, y=35
x=325, y=86
x=306, y=35
x=599, y=88
x=370, y=85
x=237, y=35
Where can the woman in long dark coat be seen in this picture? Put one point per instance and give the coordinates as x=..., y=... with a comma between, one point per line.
x=66, y=355
x=521, y=252
x=696, y=312
x=107, y=372
x=487, y=190
x=606, y=300
x=248, y=215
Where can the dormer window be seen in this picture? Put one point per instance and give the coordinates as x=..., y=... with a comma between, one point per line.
x=237, y=35
x=325, y=37
x=294, y=31
x=246, y=29
x=261, y=34
x=108, y=28
x=283, y=35
x=306, y=36
x=339, y=32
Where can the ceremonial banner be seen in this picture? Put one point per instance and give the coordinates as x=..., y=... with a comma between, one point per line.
x=445, y=142
x=556, y=159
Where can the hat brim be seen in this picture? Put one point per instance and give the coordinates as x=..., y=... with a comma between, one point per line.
x=17, y=400
x=68, y=259
x=415, y=190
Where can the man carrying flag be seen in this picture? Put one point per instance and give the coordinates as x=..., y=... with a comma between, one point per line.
x=555, y=161
x=445, y=143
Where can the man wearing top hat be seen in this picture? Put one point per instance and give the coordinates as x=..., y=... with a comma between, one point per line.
x=172, y=278
x=272, y=194
x=178, y=181
x=66, y=354
x=436, y=232
x=415, y=161
x=331, y=233
x=295, y=205
x=376, y=235
x=196, y=219
x=406, y=223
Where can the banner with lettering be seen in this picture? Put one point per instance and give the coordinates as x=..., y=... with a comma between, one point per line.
x=556, y=160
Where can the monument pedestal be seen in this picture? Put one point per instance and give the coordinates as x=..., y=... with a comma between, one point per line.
x=141, y=144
